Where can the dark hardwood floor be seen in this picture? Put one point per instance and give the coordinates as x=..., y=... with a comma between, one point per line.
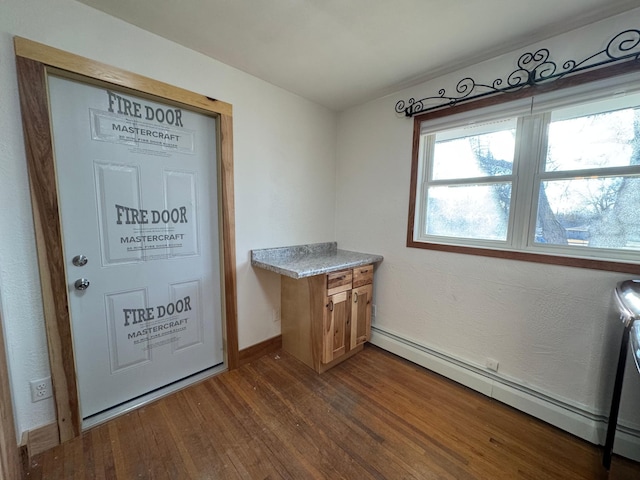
x=374, y=416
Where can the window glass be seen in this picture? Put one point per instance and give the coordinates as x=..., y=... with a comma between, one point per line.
x=469, y=211
x=474, y=152
x=598, y=140
x=600, y=212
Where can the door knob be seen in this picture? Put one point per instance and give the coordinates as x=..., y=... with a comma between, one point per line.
x=81, y=284
x=80, y=260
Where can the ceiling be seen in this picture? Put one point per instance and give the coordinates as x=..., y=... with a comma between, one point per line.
x=340, y=53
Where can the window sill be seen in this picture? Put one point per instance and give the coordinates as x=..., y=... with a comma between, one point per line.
x=622, y=267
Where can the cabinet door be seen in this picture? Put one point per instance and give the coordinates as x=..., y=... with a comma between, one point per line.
x=361, y=315
x=336, y=324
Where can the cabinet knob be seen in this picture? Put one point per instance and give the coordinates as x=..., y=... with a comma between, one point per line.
x=355, y=297
x=331, y=306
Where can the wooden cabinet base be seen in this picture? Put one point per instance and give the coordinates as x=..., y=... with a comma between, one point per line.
x=312, y=329
x=323, y=367
x=302, y=307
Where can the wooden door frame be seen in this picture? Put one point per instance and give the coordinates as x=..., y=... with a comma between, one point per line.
x=34, y=61
x=10, y=466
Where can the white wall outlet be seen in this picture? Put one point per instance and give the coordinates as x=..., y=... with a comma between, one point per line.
x=41, y=389
x=374, y=310
x=275, y=315
x=492, y=364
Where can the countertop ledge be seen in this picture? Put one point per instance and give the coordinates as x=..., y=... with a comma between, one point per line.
x=300, y=261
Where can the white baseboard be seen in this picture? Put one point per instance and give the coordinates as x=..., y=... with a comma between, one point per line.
x=575, y=420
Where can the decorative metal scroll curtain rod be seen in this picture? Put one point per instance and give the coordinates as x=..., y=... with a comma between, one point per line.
x=533, y=69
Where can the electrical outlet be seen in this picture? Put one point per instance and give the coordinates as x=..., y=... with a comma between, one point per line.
x=492, y=364
x=275, y=315
x=374, y=310
x=41, y=389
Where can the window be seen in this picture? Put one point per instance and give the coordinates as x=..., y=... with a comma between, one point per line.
x=547, y=178
x=469, y=182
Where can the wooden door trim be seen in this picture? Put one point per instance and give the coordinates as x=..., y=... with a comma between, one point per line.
x=70, y=62
x=33, y=61
x=10, y=465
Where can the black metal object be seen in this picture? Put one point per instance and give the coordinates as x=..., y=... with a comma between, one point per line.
x=627, y=296
x=615, y=401
x=533, y=68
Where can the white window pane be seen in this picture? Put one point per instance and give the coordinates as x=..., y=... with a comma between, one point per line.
x=600, y=212
x=465, y=154
x=597, y=140
x=469, y=211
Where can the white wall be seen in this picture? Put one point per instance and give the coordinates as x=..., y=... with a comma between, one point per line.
x=551, y=328
x=284, y=152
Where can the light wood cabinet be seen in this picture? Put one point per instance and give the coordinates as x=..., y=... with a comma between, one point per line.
x=327, y=318
x=336, y=326
x=361, y=315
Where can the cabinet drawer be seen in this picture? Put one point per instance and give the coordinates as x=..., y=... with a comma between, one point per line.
x=339, y=282
x=362, y=276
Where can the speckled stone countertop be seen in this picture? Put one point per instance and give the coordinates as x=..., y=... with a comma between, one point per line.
x=301, y=261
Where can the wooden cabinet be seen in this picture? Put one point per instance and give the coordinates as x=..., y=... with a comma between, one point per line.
x=361, y=315
x=336, y=327
x=327, y=318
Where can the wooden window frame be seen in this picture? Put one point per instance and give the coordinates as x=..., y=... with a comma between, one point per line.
x=34, y=62
x=567, y=82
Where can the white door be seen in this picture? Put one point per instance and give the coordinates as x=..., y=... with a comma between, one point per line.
x=138, y=197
